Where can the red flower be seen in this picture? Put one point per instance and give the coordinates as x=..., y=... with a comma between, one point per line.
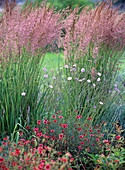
x=118, y=137
x=64, y=160
x=65, y=125
x=72, y=137
x=97, y=139
x=54, y=116
x=71, y=159
x=27, y=127
x=79, y=147
x=79, y=129
x=61, y=135
x=52, y=130
x=82, y=143
x=80, y=136
x=116, y=160
x=5, y=138
x=55, y=121
x=49, y=122
x=1, y=160
x=89, y=118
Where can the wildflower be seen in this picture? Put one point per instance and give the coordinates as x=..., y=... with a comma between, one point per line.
x=45, y=75
x=79, y=129
x=117, y=89
x=61, y=68
x=51, y=86
x=39, y=121
x=60, y=117
x=116, y=160
x=94, y=107
x=66, y=66
x=82, y=70
x=69, y=78
x=80, y=136
x=21, y=133
x=81, y=79
x=45, y=69
x=45, y=122
x=61, y=135
x=79, y=147
x=98, y=79
x=27, y=127
x=94, y=85
x=23, y=94
x=99, y=74
x=74, y=65
x=72, y=137
x=54, y=116
x=47, y=167
x=76, y=78
x=97, y=139
x=52, y=131
x=36, y=129
x=88, y=81
x=100, y=102
x=54, y=77
x=78, y=116
x=5, y=138
x=105, y=141
x=118, y=137
x=71, y=159
x=65, y=125
x=82, y=143
x=115, y=85
x=89, y=118
x=55, y=121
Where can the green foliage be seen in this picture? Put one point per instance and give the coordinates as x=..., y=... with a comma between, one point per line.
x=20, y=75
x=60, y=5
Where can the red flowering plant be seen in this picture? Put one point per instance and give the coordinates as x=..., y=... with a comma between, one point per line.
x=22, y=155
x=75, y=136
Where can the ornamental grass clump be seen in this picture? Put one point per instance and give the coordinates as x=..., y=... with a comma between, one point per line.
x=98, y=26
x=94, y=41
x=32, y=28
x=20, y=81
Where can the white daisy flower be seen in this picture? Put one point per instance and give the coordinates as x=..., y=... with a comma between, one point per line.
x=23, y=94
x=81, y=79
x=69, y=78
x=51, y=86
x=61, y=68
x=82, y=70
x=98, y=79
x=99, y=74
x=100, y=102
x=74, y=65
x=88, y=81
